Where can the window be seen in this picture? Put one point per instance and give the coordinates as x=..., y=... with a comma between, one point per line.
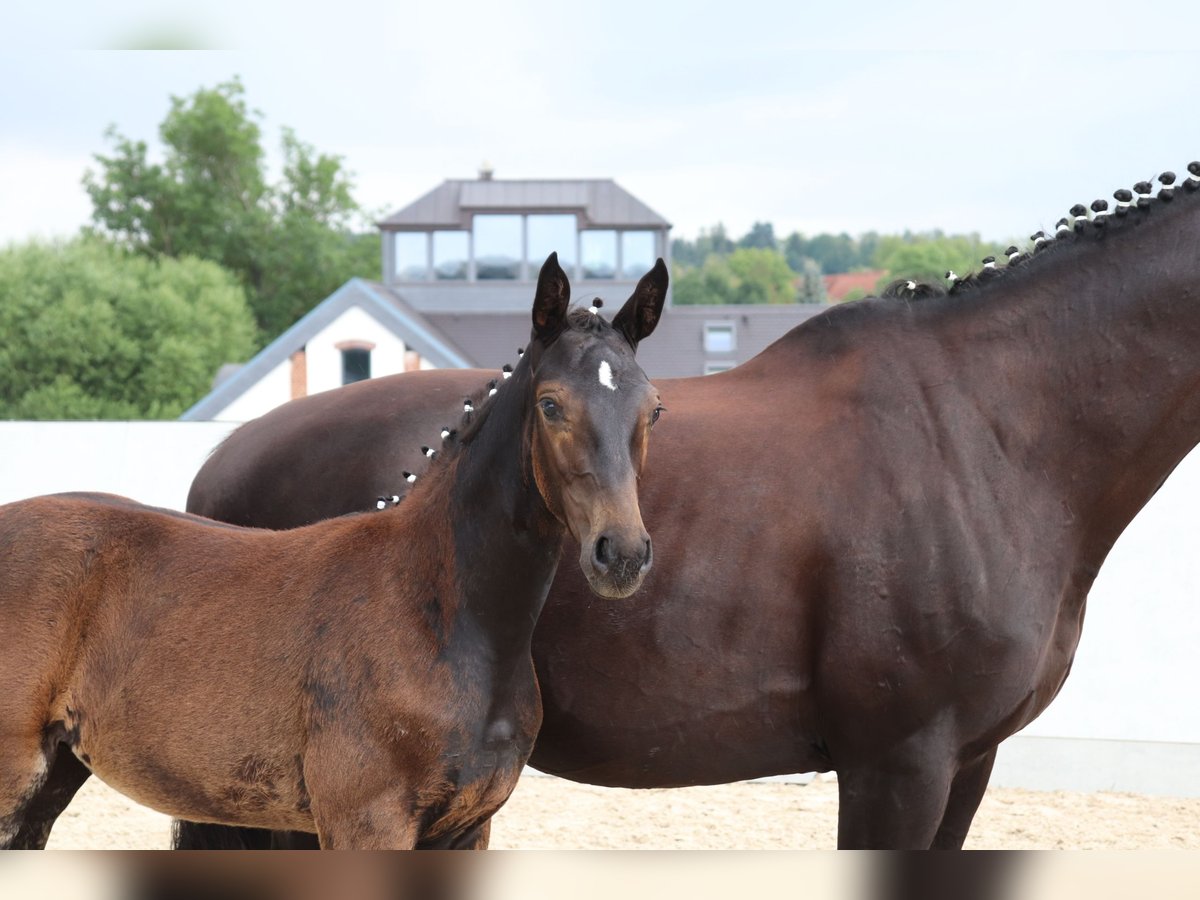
x=451, y=250
x=719, y=337
x=598, y=250
x=637, y=253
x=412, y=255
x=551, y=234
x=497, y=247
x=713, y=366
x=356, y=364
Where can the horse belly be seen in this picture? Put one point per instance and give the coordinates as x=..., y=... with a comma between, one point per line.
x=254, y=789
x=206, y=754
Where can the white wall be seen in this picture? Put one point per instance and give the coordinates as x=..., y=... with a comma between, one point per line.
x=1127, y=719
x=270, y=391
x=152, y=462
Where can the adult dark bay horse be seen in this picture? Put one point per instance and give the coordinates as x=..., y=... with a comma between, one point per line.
x=367, y=678
x=876, y=538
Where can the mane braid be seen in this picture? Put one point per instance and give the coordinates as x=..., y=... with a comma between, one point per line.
x=471, y=423
x=1085, y=230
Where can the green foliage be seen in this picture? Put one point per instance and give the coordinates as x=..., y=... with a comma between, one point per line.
x=928, y=256
x=713, y=241
x=834, y=253
x=747, y=275
x=706, y=271
x=289, y=244
x=711, y=283
x=89, y=331
x=761, y=235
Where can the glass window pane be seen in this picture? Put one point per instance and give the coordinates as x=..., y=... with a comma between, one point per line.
x=637, y=253
x=412, y=263
x=450, y=252
x=718, y=338
x=551, y=234
x=599, y=252
x=497, y=247
x=356, y=365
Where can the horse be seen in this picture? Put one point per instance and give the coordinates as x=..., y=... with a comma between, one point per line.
x=878, y=536
x=368, y=678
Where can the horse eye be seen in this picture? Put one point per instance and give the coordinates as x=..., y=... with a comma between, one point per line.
x=654, y=415
x=549, y=409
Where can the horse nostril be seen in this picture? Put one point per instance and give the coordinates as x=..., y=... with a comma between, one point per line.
x=601, y=555
x=648, y=557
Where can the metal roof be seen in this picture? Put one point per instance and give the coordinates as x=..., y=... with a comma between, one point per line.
x=601, y=202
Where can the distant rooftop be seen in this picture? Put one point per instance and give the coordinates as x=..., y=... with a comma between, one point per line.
x=838, y=287
x=600, y=202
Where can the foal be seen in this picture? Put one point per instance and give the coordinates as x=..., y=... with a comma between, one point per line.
x=367, y=678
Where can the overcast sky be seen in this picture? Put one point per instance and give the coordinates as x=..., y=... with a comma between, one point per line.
x=879, y=116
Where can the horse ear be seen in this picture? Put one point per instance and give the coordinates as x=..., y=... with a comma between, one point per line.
x=641, y=311
x=551, y=300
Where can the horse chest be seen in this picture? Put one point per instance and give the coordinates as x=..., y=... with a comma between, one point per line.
x=481, y=779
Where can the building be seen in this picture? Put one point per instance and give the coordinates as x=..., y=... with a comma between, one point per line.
x=458, y=270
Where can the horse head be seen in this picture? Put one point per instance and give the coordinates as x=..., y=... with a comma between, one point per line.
x=591, y=424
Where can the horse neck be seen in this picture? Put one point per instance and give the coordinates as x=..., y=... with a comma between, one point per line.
x=504, y=540
x=1089, y=369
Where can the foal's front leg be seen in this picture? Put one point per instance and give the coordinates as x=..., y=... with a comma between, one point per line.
x=358, y=799
x=384, y=822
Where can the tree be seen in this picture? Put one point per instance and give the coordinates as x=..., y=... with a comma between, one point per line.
x=760, y=235
x=834, y=253
x=928, y=256
x=795, y=252
x=762, y=276
x=748, y=275
x=290, y=244
x=711, y=283
x=710, y=242
x=90, y=331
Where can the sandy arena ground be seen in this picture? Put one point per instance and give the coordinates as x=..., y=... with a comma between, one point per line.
x=551, y=813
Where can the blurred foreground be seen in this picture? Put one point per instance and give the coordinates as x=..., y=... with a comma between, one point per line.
x=590, y=876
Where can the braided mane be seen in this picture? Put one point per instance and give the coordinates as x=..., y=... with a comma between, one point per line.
x=1078, y=228
x=478, y=406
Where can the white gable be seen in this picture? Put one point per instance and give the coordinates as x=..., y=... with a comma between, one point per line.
x=323, y=364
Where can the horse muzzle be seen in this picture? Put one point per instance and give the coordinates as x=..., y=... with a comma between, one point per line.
x=615, y=563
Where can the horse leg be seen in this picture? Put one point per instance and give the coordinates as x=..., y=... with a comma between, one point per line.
x=359, y=799
x=966, y=793
x=382, y=822
x=24, y=769
x=66, y=776
x=892, y=805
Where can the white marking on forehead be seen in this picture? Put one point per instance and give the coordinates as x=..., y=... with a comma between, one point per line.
x=606, y=378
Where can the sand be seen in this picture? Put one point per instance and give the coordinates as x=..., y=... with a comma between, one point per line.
x=550, y=813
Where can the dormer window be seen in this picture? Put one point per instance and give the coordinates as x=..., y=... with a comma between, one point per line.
x=489, y=231
x=356, y=360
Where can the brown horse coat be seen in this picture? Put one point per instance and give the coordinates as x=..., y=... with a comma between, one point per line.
x=876, y=539
x=367, y=678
